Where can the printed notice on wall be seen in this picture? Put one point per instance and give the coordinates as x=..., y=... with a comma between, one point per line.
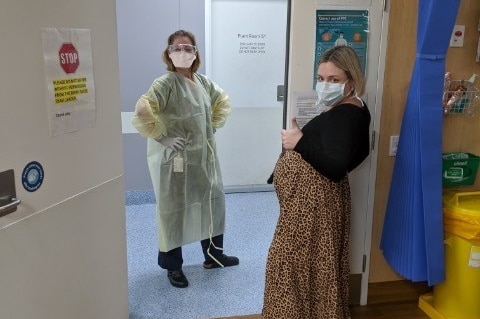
x=70, y=90
x=341, y=27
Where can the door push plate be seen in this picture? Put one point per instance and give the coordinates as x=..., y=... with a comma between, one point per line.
x=8, y=196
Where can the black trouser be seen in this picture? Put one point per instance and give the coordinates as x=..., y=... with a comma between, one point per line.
x=173, y=260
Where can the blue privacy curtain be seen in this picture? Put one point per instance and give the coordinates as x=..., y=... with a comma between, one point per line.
x=412, y=238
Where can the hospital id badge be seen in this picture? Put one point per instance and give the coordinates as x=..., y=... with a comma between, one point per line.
x=178, y=165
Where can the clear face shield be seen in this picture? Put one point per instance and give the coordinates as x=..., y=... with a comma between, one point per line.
x=182, y=55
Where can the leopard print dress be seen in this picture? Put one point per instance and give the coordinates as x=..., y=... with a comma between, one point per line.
x=307, y=273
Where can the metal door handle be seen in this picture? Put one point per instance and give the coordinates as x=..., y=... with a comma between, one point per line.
x=14, y=203
x=280, y=93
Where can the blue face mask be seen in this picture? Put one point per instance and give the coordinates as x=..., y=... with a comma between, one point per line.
x=329, y=93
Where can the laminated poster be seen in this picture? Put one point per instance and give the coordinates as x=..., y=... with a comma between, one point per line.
x=341, y=27
x=70, y=90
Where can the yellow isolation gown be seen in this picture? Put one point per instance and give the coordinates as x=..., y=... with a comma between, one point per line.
x=188, y=184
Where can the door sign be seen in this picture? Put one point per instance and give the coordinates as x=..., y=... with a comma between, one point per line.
x=32, y=176
x=70, y=90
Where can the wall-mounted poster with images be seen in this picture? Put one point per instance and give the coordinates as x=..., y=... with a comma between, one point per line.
x=341, y=27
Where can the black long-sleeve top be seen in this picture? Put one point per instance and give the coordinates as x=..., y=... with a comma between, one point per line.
x=336, y=141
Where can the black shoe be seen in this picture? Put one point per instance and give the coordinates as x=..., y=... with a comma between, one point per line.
x=177, y=278
x=225, y=261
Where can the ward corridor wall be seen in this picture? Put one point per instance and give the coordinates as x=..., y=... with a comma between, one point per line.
x=460, y=133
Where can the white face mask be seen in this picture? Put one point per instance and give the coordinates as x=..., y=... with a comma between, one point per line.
x=182, y=59
x=329, y=93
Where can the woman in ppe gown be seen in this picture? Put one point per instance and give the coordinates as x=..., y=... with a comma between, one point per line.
x=179, y=115
x=307, y=272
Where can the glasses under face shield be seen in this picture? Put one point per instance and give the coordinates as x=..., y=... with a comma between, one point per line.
x=187, y=48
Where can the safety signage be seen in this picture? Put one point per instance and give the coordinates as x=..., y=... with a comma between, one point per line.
x=32, y=176
x=341, y=27
x=68, y=57
x=70, y=90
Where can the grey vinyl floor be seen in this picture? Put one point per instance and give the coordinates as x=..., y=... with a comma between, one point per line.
x=231, y=291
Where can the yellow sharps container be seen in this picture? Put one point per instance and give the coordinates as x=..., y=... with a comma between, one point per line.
x=458, y=297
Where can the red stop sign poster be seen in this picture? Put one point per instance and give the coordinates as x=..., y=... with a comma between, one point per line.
x=68, y=57
x=69, y=79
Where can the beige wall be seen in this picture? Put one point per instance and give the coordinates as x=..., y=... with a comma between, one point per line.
x=63, y=253
x=460, y=133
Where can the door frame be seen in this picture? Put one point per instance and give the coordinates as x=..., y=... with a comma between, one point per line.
x=358, y=282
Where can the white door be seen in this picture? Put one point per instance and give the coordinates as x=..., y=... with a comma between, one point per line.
x=63, y=251
x=245, y=55
x=301, y=68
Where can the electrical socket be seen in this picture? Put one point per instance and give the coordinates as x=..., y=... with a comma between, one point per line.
x=392, y=151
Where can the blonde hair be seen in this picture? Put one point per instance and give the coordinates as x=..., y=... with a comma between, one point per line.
x=345, y=58
x=171, y=38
